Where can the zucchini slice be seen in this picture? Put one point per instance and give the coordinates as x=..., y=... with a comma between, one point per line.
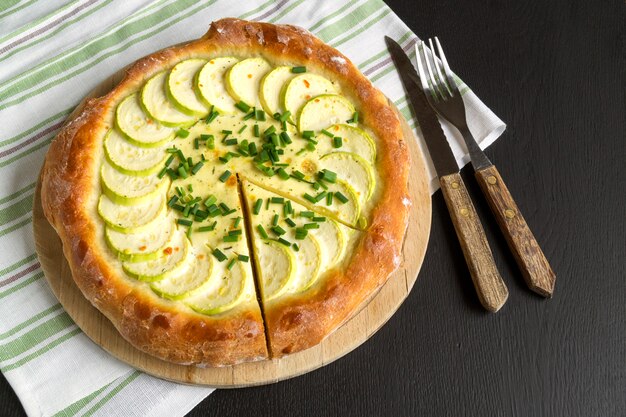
x=157, y=105
x=181, y=87
x=323, y=111
x=211, y=84
x=138, y=127
x=131, y=159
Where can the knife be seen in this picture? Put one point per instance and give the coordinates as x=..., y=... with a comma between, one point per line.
x=491, y=290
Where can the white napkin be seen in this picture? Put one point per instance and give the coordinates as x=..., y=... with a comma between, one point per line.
x=52, y=53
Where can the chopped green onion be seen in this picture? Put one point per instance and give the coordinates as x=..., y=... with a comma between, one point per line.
x=285, y=116
x=296, y=247
x=278, y=200
x=262, y=232
x=311, y=226
x=248, y=116
x=231, y=263
x=214, y=210
x=190, y=188
x=290, y=222
x=230, y=142
x=255, y=131
x=283, y=241
x=285, y=137
x=169, y=160
x=182, y=172
x=260, y=115
x=197, y=167
x=337, y=142
x=162, y=172
x=328, y=176
x=278, y=230
x=329, y=199
x=172, y=201
x=211, y=199
x=275, y=220
x=342, y=198
x=209, y=228
x=301, y=233
x=243, y=258
x=310, y=198
x=184, y=222
x=219, y=255
x=242, y=129
x=327, y=133
x=308, y=134
x=226, y=158
x=269, y=131
x=225, y=176
x=355, y=118
x=243, y=107
x=257, y=206
x=298, y=175
x=212, y=116
x=230, y=238
x=252, y=149
x=298, y=70
x=224, y=207
x=320, y=196
x=319, y=219
x=282, y=174
x=237, y=221
x=287, y=209
x=310, y=146
x=201, y=215
x=235, y=232
x=321, y=184
x=308, y=214
x=182, y=133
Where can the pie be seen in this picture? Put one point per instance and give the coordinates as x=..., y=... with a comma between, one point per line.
x=232, y=199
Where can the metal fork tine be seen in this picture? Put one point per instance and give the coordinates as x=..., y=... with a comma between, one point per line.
x=446, y=68
x=431, y=74
x=442, y=85
x=420, y=68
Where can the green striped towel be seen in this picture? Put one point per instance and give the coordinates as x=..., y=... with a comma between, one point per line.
x=52, y=53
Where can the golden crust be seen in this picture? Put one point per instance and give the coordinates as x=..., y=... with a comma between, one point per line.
x=70, y=187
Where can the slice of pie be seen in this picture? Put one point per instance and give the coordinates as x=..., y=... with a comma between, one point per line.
x=232, y=199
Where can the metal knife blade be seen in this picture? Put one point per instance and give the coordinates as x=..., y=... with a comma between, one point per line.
x=438, y=146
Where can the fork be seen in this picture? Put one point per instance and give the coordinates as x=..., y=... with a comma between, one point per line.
x=444, y=97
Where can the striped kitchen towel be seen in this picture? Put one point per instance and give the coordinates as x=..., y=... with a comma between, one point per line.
x=54, y=52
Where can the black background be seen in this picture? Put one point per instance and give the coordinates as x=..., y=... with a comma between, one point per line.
x=554, y=71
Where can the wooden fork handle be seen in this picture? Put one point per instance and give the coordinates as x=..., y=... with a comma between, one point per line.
x=491, y=290
x=530, y=259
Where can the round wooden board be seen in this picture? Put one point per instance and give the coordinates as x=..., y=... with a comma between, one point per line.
x=349, y=336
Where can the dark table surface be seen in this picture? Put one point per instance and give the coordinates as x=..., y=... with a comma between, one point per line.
x=555, y=72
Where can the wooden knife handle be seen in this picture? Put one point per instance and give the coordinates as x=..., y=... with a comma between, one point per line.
x=531, y=260
x=492, y=291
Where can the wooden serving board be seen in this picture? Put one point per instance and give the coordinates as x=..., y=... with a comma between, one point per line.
x=349, y=336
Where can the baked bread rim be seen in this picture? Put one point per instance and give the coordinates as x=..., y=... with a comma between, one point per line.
x=70, y=184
